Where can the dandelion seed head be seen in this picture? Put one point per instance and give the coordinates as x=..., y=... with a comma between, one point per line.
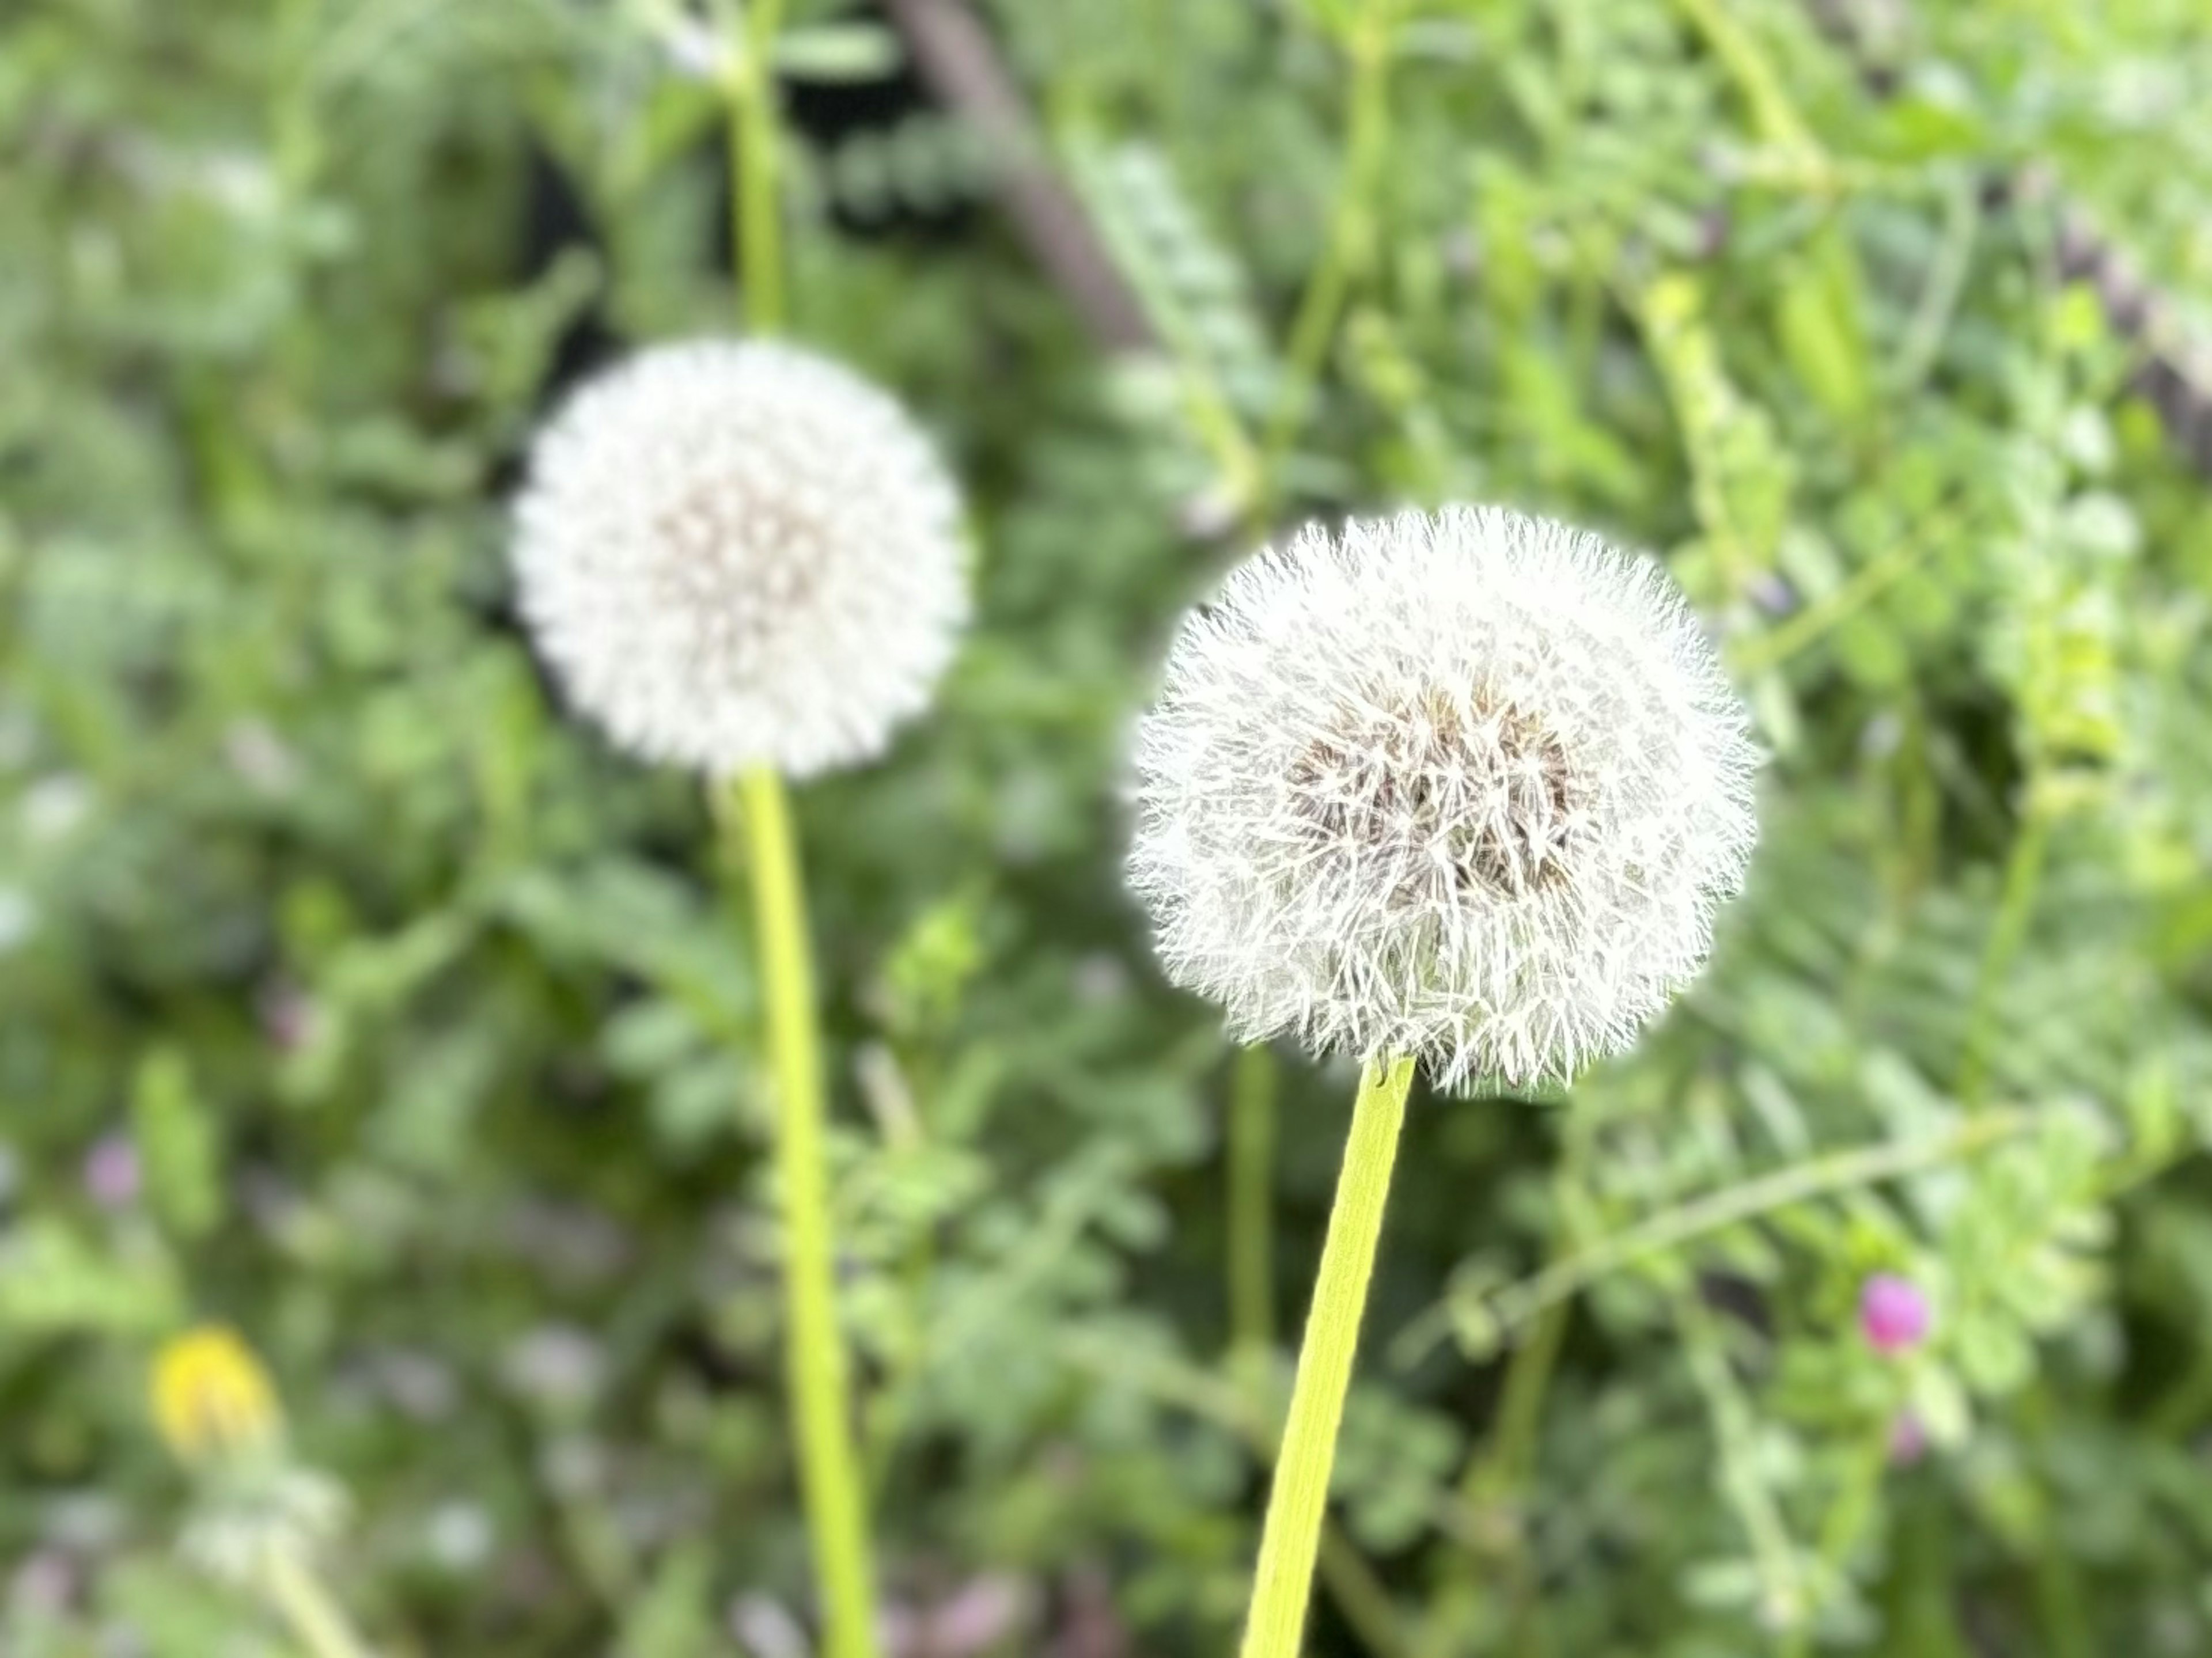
x=740, y=553
x=1467, y=786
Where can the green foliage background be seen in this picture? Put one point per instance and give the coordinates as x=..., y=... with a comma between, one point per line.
x=434, y=1029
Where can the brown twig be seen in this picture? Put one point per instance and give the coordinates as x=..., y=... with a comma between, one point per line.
x=960, y=63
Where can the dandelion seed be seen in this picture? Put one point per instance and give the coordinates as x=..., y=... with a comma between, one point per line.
x=1465, y=788
x=740, y=554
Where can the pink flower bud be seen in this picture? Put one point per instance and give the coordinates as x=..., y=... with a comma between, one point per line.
x=110, y=1172
x=1908, y=1440
x=1893, y=1313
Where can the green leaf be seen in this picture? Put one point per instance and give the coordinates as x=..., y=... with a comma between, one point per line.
x=179, y=1149
x=838, y=52
x=671, y=1618
x=52, y=1282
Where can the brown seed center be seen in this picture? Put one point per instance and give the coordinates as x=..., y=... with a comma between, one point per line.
x=1448, y=796
x=739, y=572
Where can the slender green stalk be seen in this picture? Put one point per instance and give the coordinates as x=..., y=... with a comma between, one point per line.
x=2183, y=1408
x=1743, y=1477
x=1668, y=1230
x=1761, y=652
x=1849, y=1511
x=308, y=1608
x=1946, y=282
x=1495, y=1483
x=829, y=1473
x=1772, y=113
x=756, y=210
x=1251, y=1192
x=2062, y=1617
x=1292, y=1534
x=1492, y=1493
x=1360, y=1595
x=1510, y=1309
x=829, y=1468
x=2023, y=877
x=1351, y=232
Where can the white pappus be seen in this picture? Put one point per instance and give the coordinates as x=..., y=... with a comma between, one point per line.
x=739, y=553
x=1466, y=786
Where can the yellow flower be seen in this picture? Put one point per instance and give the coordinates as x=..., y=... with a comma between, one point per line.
x=211, y=1397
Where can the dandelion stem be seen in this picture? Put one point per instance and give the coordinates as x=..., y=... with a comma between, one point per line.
x=1360, y=1597
x=307, y=1607
x=1291, y=1536
x=1251, y=1191
x=829, y=1469
x=828, y=1474
x=748, y=85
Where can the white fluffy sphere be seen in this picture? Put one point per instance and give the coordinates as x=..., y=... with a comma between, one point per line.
x=740, y=553
x=1465, y=788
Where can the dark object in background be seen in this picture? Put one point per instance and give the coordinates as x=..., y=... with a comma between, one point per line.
x=2175, y=374
x=556, y=216
x=956, y=55
x=554, y=219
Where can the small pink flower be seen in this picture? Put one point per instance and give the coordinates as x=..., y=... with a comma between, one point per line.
x=110, y=1172
x=1908, y=1440
x=44, y=1585
x=1893, y=1313
x=289, y=1015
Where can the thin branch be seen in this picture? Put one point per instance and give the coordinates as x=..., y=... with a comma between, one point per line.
x=961, y=64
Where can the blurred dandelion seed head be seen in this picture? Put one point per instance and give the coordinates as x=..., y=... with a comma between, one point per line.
x=238, y=1532
x=211, y=1399
x=740, y=553
x=1467, y=786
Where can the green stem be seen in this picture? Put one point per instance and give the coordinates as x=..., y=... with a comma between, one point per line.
x=1761, y=652
x=1496, y=1482
x=1360, y=1595
x=829, y=1482
x=2061, y=1614
x=1292, y=1534
x=308, y=1608
x=1512, y=1306
x=1848, y=1510
x=1946, y=282
x=1742, y=1476
x=1251, y=1191
x=2023, y=876
x=1498, y=1476
x=1351, y=232
x=1756, y=79
x=755, y=209
x=829, y=1470
x=2183, y=1407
